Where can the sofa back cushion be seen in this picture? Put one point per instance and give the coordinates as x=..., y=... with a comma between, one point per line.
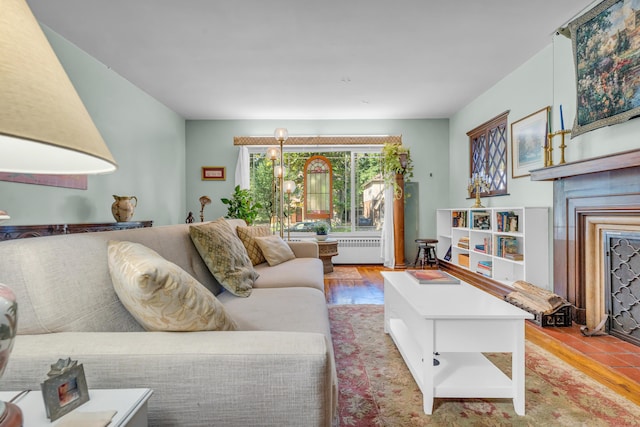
x=161, y=295
x=62, y=283
x=223, y=252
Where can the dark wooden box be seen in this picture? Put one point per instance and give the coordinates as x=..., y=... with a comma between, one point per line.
x=560, y=317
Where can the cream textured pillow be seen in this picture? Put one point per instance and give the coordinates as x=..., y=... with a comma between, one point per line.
x=248, y=236
x=275, y=250
x=225, y=256
x=160, y=295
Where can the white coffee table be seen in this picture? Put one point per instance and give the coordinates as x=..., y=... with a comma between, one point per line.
x=130, y=404
x=459, y=322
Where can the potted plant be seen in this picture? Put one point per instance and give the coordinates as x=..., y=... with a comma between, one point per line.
x=322, y=230
x=241, y=205
x=396, y=159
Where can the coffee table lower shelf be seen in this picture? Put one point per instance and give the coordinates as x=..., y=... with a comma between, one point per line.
x=463, y=375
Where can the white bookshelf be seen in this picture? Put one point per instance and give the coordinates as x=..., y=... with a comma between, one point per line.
x=530, y=239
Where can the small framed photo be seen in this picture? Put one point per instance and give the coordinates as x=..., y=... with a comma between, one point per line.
x=214, y=173
x=65, y=392
x=528, y=143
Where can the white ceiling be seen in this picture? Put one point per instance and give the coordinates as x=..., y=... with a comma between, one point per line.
x=310, y=59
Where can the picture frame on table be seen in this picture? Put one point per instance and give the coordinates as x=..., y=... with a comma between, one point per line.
x=606, y=58
x=214, y=173
x=65, y=392
x=528, y=142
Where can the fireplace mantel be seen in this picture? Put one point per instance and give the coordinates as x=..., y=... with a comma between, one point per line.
x=622, y=160
x=602, y=186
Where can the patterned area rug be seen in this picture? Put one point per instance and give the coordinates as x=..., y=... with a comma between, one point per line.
x=347, y=273
x=377, y=389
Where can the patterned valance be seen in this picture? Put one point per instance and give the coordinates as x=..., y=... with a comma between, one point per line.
x=320, y=140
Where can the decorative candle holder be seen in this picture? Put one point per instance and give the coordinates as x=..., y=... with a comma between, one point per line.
x=479, y=182
x=548, y=159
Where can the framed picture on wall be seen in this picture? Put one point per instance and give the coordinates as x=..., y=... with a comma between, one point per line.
x=605, y=51
x=528, y=141
x=214, y=173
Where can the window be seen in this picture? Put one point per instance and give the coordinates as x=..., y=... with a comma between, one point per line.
x=353, y=174
x=317, y=188
x=488, y=154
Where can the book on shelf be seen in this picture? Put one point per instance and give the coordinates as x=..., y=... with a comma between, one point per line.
x=463, y=243
x=506, y=245
x=514, y=257
x=481, y=220
x=459, y=218
x=484, y=247
x=507, y=222
x=484, y=268
x=432, y=277
x=447, y=256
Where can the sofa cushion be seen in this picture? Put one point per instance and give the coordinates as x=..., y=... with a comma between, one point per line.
x=275, y=250
x=159, y=294
x=248, y=236
x=287, y=274
x=225, y=256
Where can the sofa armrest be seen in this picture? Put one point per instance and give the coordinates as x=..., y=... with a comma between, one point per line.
x=198, y=378
x=304, y=249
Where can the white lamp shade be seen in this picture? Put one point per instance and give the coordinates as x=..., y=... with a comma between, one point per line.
x=44, y=127
x=289, y=186
x=273, y=153
x=281, y=134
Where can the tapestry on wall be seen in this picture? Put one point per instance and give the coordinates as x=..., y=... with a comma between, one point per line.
x=67, y=181
x=607, y=59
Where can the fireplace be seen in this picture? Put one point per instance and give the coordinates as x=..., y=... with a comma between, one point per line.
x=593, y=200
x=622, y=284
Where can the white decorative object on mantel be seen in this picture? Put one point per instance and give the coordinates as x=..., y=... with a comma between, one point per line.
x=4, y=216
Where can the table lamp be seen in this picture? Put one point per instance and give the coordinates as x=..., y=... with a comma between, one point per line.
x=44, y=128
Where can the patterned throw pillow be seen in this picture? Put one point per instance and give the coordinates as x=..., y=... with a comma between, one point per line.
x=225, y=256
x=160, y=295
x=248, y=236
x=275, y=250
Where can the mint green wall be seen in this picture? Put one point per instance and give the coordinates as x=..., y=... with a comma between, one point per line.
x=146, y=139
x=546, y=79
x=210, y=143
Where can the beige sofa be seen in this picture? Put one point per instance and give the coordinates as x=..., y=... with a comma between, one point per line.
x=276, y=370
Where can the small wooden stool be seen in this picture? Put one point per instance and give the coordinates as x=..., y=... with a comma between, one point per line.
x=426, y=253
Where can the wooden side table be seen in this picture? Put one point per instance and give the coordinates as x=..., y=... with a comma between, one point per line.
x=327, y=249
x=130, y=404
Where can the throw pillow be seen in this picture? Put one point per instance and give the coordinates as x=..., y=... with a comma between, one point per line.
x=248, y=236
x=160, y=295
x=275, y=250
x=225, y=256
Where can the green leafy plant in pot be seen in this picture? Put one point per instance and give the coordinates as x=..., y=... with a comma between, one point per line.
x=322, y=231
x=396, y=159
x=241, y=205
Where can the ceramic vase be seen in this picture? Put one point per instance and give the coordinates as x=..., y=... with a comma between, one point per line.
x=124, y=207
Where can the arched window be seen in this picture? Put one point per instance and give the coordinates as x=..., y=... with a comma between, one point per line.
x=318, y=180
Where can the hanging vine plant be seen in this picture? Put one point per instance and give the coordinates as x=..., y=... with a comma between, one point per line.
x=392, y=163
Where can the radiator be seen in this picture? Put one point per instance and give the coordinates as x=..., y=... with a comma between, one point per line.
x=358, y=250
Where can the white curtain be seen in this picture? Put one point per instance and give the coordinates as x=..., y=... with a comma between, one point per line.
x=242, y=168
x=387, y=248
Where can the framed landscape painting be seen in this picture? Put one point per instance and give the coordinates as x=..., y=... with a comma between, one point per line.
x=528, y=139
x=607, y=61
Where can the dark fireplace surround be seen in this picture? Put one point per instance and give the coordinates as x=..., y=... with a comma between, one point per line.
x=602, y=187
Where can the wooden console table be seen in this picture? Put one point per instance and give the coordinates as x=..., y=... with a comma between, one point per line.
x=10, y=232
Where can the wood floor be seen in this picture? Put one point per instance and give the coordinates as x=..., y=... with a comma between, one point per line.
x=611, y=361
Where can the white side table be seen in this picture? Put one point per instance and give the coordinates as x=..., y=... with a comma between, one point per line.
x=130, y=404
